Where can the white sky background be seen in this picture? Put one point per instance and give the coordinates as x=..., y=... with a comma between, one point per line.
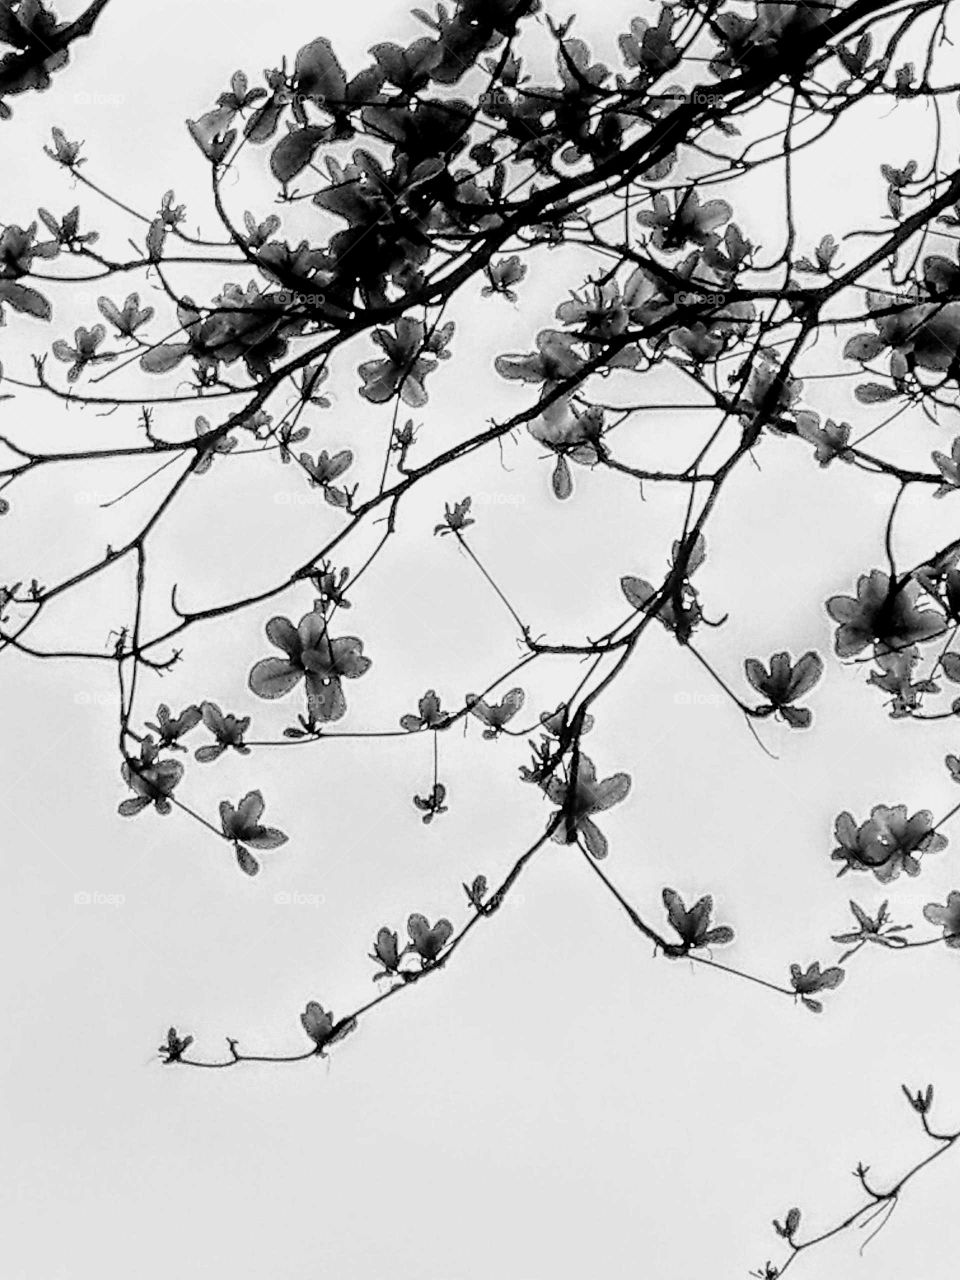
x=555, y=1105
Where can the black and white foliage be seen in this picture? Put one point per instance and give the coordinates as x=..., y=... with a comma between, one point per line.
x=445, y=170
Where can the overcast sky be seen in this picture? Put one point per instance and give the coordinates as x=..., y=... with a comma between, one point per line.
x=557, y=1104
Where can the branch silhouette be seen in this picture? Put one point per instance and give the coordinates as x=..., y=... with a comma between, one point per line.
x=447, y=173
